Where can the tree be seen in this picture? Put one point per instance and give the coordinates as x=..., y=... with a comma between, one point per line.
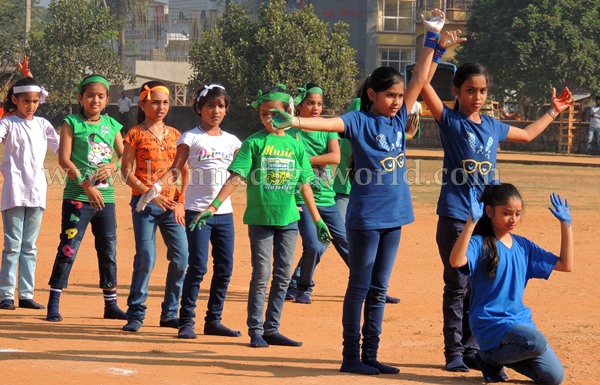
x=531, y=46
x=12, y=38
x=294, y=48
x=73, y=44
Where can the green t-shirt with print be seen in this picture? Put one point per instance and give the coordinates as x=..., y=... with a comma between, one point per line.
x=273, y=166
x=93, y=144
x=341, y=179
x=317, y=143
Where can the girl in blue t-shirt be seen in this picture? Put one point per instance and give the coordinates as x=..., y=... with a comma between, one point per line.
x=380, y=202
x=470, y=141
x=499, y=265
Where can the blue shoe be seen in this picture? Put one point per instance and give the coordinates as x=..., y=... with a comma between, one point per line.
x=7, y=304
x=303, y=298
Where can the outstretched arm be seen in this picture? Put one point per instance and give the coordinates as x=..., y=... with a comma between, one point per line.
x=527, y=134
x=562, y=212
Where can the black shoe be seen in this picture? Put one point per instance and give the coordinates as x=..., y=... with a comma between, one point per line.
x=7, y=304
x=30, y=304
x=170, y=323
x=390, y=299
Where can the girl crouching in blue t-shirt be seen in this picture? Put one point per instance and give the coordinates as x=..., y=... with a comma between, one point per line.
x=499, y=265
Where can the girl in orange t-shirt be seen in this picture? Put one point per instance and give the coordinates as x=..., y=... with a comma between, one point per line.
x=149, y=150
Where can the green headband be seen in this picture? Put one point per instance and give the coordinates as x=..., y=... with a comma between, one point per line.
x=354, y=105
x=302, y=92
x=93, y=79
x=281, y=96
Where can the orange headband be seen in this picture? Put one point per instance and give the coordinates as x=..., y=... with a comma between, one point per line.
x=146, y=92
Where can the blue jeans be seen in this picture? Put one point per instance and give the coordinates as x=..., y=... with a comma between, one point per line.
x=280, y=241
x=458, y=339
x=76, y=216
x=525, y=350
x=220, y=232
x=313, y=249
x=145, y=224
x=590, y=139
x=372, y=256
x=21, y=229
x=341, y=202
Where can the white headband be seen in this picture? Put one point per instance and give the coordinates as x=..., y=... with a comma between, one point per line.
x=32, y=88
x=206, y=89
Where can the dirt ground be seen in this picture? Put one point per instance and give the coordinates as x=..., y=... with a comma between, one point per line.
x=86, y=349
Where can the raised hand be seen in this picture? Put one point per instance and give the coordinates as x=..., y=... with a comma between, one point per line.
x=24, y=67
x=450, y=38
x=476, y=207
x=281, y=119
x=323, y=231
x=200, y=220
x=563, y=101
x=435, y=22
x=560, y=210
x=146, y=198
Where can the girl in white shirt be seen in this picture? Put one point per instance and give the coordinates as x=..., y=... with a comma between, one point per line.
x=26, y=138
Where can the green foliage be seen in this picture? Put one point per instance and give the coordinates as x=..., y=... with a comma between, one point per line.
x=291, y=48
x=73, y=44
x=531, y=46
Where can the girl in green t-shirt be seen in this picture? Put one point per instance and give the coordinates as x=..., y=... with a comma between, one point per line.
x=274, y=165
x=88, y=143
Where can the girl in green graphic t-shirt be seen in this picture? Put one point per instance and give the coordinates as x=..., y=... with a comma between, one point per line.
x=273, y=165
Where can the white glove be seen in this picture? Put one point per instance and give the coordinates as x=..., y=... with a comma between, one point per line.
x=148, y=196
x=436, y=22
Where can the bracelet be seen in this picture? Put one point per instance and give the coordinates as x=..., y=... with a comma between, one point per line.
x=431, y=39
x=80, y=179
x=216, y=203
x=299, y=122
x=438, y=53
x=553, y=113
x=158, y=187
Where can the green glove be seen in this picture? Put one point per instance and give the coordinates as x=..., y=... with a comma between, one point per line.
x=281, y=119
x=322, y=231
x=200, y=220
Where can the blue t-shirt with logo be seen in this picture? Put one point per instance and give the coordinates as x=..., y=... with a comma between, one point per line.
x=470, y=151
x=379, y=197
x=497, y=304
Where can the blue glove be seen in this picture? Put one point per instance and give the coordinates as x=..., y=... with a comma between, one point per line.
x=476, y=207
x=322, y=231
x=560, y=211
x=281, y=119
x=200, y=220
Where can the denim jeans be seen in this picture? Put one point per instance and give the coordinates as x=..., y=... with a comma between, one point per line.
x=76, y=216
x=458, y=339
x=21, y=229
x=525, y=350
x=145, y=224
x=372, y=256
x=220, y=232
x=313, y=249
x=280, y=241
x=341, y=202
x=593, y=131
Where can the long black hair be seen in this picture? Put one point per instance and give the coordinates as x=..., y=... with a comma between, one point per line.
x=379, y=80
x=493, y=195
x=465, y=72
x=10, y=107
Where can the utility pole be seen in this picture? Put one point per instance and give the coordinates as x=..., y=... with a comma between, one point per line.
x=27, y=20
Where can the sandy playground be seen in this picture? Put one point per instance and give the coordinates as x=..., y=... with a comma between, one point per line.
x=86, y=349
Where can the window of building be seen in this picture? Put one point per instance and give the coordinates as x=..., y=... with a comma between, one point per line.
x=396, y=57
x=398, y=15
x=459, y=5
